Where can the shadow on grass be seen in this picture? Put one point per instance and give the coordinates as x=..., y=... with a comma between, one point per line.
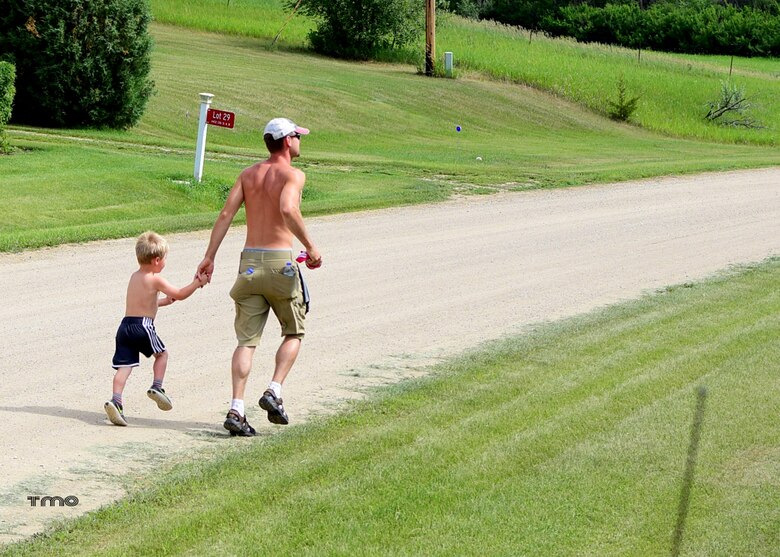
x=690, y=469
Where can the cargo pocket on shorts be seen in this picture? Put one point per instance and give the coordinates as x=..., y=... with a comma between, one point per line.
x=243, y=283
x=284, y=282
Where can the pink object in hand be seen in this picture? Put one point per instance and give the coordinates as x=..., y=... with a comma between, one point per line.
x=304, y=256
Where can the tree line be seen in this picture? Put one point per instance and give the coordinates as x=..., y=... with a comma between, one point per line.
x=736, y=27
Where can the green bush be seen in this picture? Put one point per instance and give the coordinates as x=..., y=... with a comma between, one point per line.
x=467, y=8
x=7, y=91
x=359, y=29
x=525, y=13
x=79, y=62
x=7, y=76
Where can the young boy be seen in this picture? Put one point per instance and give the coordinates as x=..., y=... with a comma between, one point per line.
x=136, y=333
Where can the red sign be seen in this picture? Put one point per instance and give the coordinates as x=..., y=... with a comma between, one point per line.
x=220, y=118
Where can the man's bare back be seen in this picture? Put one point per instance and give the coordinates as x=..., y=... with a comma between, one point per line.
x=264, y=185
x=271, y=191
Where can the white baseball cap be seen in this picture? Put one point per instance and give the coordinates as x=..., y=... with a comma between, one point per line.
x=281, y=127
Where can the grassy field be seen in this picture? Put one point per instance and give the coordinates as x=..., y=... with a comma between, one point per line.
x=382, y=136
x=575, y=439
x=673, y=89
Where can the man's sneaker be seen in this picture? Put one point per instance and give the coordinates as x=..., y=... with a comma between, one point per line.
x=237, y=425
x=115, y=413
x=159, y=396
x=273, y=405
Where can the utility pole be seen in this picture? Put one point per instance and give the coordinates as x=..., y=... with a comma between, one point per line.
x=430, y=36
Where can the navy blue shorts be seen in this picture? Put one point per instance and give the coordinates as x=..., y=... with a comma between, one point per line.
x=135, y=336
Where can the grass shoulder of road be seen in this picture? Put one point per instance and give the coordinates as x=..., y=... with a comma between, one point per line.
x=381, y=136
x=574, y=439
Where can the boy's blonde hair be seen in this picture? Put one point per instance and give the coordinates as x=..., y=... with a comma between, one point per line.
x=150, y=245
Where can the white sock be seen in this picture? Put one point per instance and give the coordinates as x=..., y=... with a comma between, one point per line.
x=238, y=406
x=276, y=388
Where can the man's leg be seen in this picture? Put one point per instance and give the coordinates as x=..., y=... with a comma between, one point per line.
x=241, y=366
x=285, y=357
x=235, y=422
x=271, y=400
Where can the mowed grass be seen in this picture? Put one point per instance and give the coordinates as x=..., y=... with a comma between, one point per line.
x=674, y=90
x=58, y=192
x=571, y=440
x=381, y=136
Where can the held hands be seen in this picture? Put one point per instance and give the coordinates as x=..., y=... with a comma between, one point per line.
x=205, y=270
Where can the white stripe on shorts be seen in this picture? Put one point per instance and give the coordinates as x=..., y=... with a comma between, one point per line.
x=154, y=340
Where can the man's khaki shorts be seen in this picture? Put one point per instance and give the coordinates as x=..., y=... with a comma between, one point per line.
x=267, y=279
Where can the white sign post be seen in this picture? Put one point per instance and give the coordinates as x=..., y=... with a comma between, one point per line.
x=200, y=148
x=448, y=64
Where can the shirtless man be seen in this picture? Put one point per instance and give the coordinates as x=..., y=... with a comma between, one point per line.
x=268, y=275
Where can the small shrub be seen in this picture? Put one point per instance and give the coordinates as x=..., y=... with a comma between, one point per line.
x=732, y=108
x=7, y=91
x=624, y=106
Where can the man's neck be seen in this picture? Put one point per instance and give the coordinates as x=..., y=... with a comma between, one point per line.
x=282, y=157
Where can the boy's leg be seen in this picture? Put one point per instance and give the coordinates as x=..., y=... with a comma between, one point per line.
x=160, y=365
x=114, y=408
x=120, y=379
x=156, y=391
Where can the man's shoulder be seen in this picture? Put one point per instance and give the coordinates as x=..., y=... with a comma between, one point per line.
x=278, y=171
x=286, y=171
x=255, y=168
x=296, y=173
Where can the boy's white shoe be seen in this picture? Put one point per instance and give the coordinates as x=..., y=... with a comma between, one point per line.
x=115, y=413
x=159, y=396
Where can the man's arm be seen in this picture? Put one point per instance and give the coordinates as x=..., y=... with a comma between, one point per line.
x=232, y=204
x=290, y=208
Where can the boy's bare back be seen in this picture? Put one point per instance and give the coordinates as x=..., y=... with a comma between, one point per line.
x=142, y=294
x=145, y=285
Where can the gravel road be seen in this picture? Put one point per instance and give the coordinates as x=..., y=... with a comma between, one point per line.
x=399, y=289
